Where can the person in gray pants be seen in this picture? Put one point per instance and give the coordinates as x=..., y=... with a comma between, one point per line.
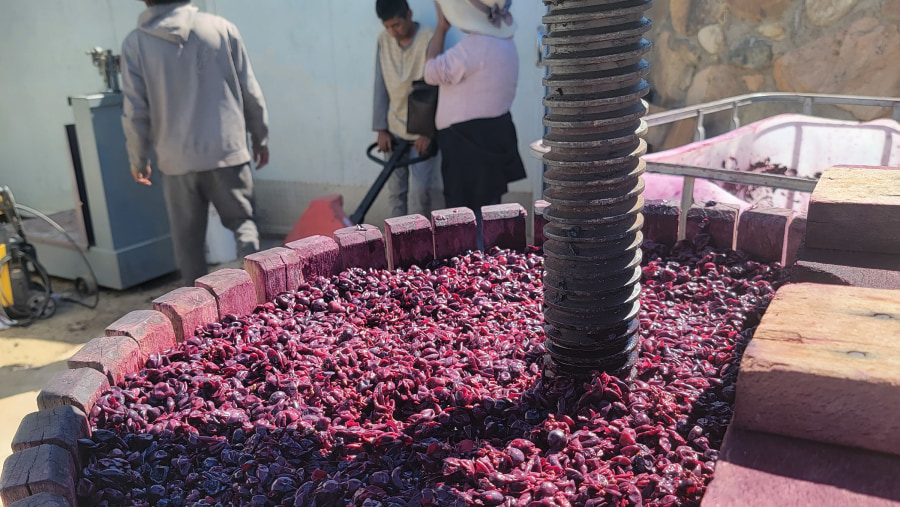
x=191, y=97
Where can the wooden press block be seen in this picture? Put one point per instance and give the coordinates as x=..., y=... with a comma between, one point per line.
x=361, y=246
x=113, y=356
x=410, y=241
x=717, y=219
x=503, y=226
x=42, y=500
x=824, y=365
x=188, y=308
x=857, y=209
x=61, y=426
x=80, y=388
x=273, y=271
x=842, y=267
x=796, y=233
x=455, y=232
x=318, y=256
x=152, y=331
x=41, y=469
x=233, y=289
x=762, y=232
x=662, y=218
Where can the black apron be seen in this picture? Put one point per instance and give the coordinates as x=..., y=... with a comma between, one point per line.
x=479, y=157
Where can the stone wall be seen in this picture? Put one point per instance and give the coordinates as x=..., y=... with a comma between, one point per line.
x=705, y=50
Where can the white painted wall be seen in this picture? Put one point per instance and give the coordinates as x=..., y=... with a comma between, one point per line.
x=43, y=62
x=314, y=61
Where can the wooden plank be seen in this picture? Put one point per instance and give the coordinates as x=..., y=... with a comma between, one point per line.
x=824, y=365
x=856, y=209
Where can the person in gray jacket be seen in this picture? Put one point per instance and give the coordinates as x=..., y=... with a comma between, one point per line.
x=191, y=97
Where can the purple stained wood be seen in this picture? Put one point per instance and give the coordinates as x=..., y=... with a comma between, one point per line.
x=152, y=331
x=455, y=232
x=504, y=226
x=410, y=241
x=762, y=232
x=113, y=356
x=318, y=256
x=361, y=246
x=80, y=388
x=233, y=289
x=188, y=308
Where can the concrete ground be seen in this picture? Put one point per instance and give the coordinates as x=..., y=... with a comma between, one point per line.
x=29, y=356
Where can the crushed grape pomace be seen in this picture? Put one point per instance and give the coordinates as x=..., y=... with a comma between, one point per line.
x=426, y=387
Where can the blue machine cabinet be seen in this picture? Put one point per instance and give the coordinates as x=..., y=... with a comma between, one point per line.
x=123, y=225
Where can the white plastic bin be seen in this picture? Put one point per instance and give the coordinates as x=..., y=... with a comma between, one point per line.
x=220, y=244
x=804, y=143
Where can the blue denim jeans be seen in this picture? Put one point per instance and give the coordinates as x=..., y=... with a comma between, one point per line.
x=409, y=190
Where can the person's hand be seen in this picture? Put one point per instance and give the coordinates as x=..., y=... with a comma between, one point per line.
x=143, y=177
x=385, y=142
x=422, y=143
x=261, y=157
x=442, y=22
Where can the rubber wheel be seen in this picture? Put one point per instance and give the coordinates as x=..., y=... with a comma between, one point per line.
x=85, y=287
x=36, y=302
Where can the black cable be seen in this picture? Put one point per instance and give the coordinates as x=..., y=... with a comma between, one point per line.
x=45, y=278
x=84, y=258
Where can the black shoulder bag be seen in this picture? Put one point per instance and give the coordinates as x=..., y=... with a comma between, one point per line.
x=421, y=109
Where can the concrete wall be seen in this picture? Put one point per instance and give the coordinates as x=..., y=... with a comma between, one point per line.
x=314, y=61
x=42, y=62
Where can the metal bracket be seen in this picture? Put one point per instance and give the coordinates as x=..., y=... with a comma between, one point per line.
x=108, y=65
x=700, y=132
x=735, y=116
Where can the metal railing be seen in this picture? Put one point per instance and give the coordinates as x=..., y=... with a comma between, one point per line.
x=734, y=104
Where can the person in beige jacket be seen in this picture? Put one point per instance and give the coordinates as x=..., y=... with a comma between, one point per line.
x=190, y=97
x=400, y=60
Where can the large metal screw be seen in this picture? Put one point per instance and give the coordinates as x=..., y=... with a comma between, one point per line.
x=593, y=236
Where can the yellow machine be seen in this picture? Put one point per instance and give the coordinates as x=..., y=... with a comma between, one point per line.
x=24, y=284
x=6, y=295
